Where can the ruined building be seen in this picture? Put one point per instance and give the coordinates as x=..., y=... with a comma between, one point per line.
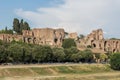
x=43, y=36
x=54, y=37
x=95, y=40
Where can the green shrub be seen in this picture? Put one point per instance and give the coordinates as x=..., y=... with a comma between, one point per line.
x=115, y=61
x=68, y=43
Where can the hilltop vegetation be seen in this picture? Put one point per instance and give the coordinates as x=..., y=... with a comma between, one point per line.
x=19, y=52
x=18, y=26
x=6, y=31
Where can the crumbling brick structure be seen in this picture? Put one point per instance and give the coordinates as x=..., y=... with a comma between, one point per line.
x=96, y=40
x=43, y=36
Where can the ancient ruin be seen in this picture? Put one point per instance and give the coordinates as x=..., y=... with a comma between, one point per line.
x=43, y=36
x=54, y=37
x=95, y=40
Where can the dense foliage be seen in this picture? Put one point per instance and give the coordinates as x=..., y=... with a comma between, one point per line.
x=68, y=43
x=6, y=31
x=115, y=61
x=18, y=27
x=19, y=52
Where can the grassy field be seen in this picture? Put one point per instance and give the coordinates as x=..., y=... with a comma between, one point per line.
x=59, y=72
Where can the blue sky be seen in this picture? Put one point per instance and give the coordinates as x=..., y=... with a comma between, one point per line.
x=8, y=7
x=80, y=16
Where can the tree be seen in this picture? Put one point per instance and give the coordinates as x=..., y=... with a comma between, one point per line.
x=27, y=56
x=97, y=57
x=103, y=57
x=68, y=43
x=58, y=54
x=21, y=25
x=3, y=54
x=16, y=25
x=87, y=55
x=26, y=26
x=115, y=61
x=81, y=36
x=76, y=57
x=69, y=52
x=100, y=57
x=10, y=31
x=15, y=51
x=6, y=31
x=42, y=53
x=48, y=51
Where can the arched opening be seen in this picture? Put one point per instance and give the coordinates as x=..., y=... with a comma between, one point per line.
x=117, y=44
x=114, y=50
x=100, y=46
x=105, y=43
x=94, y=45
x=34, y=40
x=29, y=40
x=55, y=40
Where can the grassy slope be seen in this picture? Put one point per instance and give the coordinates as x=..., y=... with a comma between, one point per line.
x=62, y=72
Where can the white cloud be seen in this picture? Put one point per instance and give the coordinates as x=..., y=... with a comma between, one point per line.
x=76, y=15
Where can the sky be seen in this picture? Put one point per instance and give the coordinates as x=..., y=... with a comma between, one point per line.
x=81, y=16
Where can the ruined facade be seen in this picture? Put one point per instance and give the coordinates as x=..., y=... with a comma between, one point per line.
x=95, y=40
x=43, y=36
x=10, y=37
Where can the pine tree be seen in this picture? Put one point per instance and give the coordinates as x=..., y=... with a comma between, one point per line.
x=16, y=25
x=21, y=26
x=26, y=26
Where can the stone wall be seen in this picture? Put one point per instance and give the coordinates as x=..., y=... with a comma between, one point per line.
x=10, y=37
x=96, y=40
x=43, y=36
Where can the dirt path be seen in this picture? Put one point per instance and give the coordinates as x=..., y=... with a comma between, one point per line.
x=36, y=65
x=69, y=76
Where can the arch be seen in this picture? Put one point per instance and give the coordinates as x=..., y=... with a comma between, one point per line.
x=100, y=46
x=29, y=40
x=105, y=43
x=114, y=50
x=55, y=40
x=94, y=45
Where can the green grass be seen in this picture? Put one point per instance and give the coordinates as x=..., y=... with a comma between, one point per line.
x=63, y=72
x=82, y=69
x=42, y=71
x=79, y=69
x=17, y=72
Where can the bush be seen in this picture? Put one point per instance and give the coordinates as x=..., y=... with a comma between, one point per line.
x=69, y=52
x=89, y=46
x=58, y=54
x=87, y=55
x=115, y=61
x=68, y=43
